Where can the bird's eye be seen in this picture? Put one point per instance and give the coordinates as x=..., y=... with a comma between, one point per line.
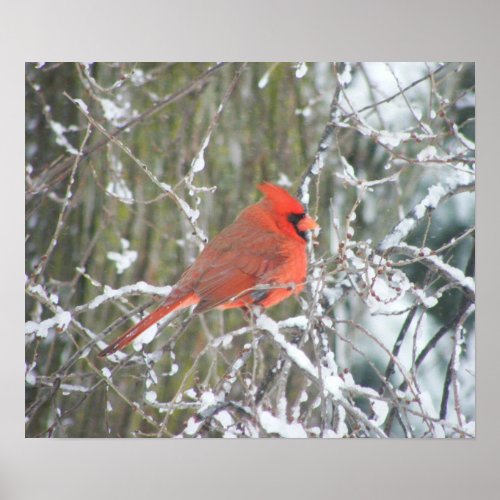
x=295, y=218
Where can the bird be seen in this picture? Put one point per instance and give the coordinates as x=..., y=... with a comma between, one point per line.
x=258, y=260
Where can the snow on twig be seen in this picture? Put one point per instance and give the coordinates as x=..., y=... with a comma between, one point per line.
x=191, y=215
x=333, y=384
x=435, y=263
x=437, y=194
x=110, y=294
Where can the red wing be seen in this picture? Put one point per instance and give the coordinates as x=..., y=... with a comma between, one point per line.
x=236, y=263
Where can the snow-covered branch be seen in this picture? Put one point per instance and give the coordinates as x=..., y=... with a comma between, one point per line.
x=437, y=194
x=450, y=273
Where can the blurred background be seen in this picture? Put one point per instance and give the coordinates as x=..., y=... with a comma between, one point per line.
x=367, y=139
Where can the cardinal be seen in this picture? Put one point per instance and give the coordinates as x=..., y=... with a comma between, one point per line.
x=258, y=260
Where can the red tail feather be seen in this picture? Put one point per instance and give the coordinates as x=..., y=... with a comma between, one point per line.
x=148, y=321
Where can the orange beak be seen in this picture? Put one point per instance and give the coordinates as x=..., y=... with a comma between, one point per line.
x=307, y=224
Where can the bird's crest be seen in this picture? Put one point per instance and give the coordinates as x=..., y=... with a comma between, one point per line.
x=281, y=200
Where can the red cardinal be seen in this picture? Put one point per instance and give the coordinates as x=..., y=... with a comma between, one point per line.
x=265, y=245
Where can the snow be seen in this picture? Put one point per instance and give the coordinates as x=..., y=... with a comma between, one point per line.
x=106, y=372
x=207, y=399
x=82, y=105
x=349, y=175
x=264, y=80
x=305, y=191
x=427, y=302
x=30, y=377
x=191, y=214
x=427, y=404
x=380, y=409
x=300, y=322
x=125, y=259
x=60, y=321
x=299, y=357
x=192, y=426
x=173, y=369
x=333, y=384
x=266, y=323
x=435, y=194
x=470, y=427
x=118, y=187
x=139, y=287
x=237, y=365
x=224, y=418
x=152, y=377
x=466, y=142
x=392, y=139
x=225, y=341
x=384, y=84
x=318, y=165
x=137, y=78
x=455, y=273
x=452, y=273
x=145, y=338
x=63, y=319
x=115, y=114
x=190, y=393
x=332, y=295
x=434, y=197
x=59, y=131
x=400, y=280
x=345, y=77
x=284, y=181
x=198, y=163
x=428, y=153
x=399, y=233
x=151, y=396
x=69, y=388
x=273, y=425
x=301, y=70
x=38, y=290
x=354, y=260
x=120, y=190
x=305, y=112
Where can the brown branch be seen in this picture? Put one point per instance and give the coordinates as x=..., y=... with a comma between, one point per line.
x=55, y=173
